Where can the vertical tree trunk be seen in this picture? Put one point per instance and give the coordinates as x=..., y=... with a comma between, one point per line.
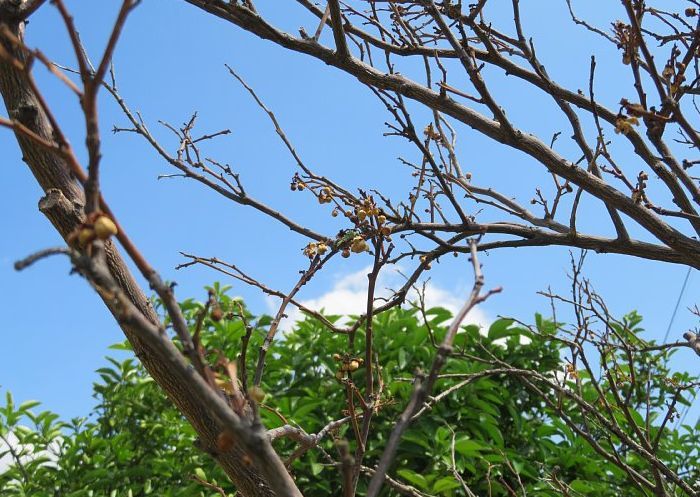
x=63, y=206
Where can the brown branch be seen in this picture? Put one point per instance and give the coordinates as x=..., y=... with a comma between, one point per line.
x=510, y=68
x=210, y=486
x=472, y=71
x=249, y=435
x=400, y=487
x=524, y=142
x=57, y=171
x=31, y=259
x=236, y=194
x=283, y=136
x=423, y=386
x=341, y=44
x=19, y=10
x=235, y=272
x=315, y=266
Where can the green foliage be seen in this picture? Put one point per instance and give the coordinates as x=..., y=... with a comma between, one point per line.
x=134, y=443
x=504, y=437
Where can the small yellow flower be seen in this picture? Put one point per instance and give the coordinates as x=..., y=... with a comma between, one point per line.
x=624, y=124
x=359, y=245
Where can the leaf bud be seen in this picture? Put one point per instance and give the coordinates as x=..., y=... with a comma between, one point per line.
x=105, y=227
x=256, y=393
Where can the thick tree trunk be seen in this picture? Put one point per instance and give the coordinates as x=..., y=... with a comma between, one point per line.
x=63, y=206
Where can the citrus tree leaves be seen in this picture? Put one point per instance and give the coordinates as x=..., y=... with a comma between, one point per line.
x=493, y=431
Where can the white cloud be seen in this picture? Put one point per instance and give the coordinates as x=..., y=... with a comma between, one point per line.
x=6, y=460
x=348, y=295
x=26, y=452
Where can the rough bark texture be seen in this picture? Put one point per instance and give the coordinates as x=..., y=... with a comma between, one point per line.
x=63, y=206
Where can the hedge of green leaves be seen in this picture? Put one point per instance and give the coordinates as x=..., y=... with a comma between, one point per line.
x=505, y=439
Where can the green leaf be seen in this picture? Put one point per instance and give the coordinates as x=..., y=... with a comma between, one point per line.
x=469, y=448
x=413, y=478
x=27, y=405
x=440, y=315
x=402, y=358
x=501, y=328
x=445, y=484
x=582, y=486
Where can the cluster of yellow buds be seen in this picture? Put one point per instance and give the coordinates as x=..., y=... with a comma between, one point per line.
x=347, y=365
x=224, y=383
x=97, y=226
x=358, y=245
x=674, y=75
x=668, y=71
x=315, y=248
x=384, y=229
x=623, y=124
x=325, y=196
x=626, y=40
x=367, y=209
x=430, y=132
x=297, y=183
x=256, y=393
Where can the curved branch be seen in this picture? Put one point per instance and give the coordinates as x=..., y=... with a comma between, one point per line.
x=529, y=144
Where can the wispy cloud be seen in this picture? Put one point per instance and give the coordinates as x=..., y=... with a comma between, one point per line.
x=348, y=295
x=26, y=452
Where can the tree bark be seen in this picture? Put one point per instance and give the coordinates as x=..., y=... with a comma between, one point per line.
x=63, y=205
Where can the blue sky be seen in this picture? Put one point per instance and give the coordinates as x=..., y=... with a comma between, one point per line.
x=170, y=63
